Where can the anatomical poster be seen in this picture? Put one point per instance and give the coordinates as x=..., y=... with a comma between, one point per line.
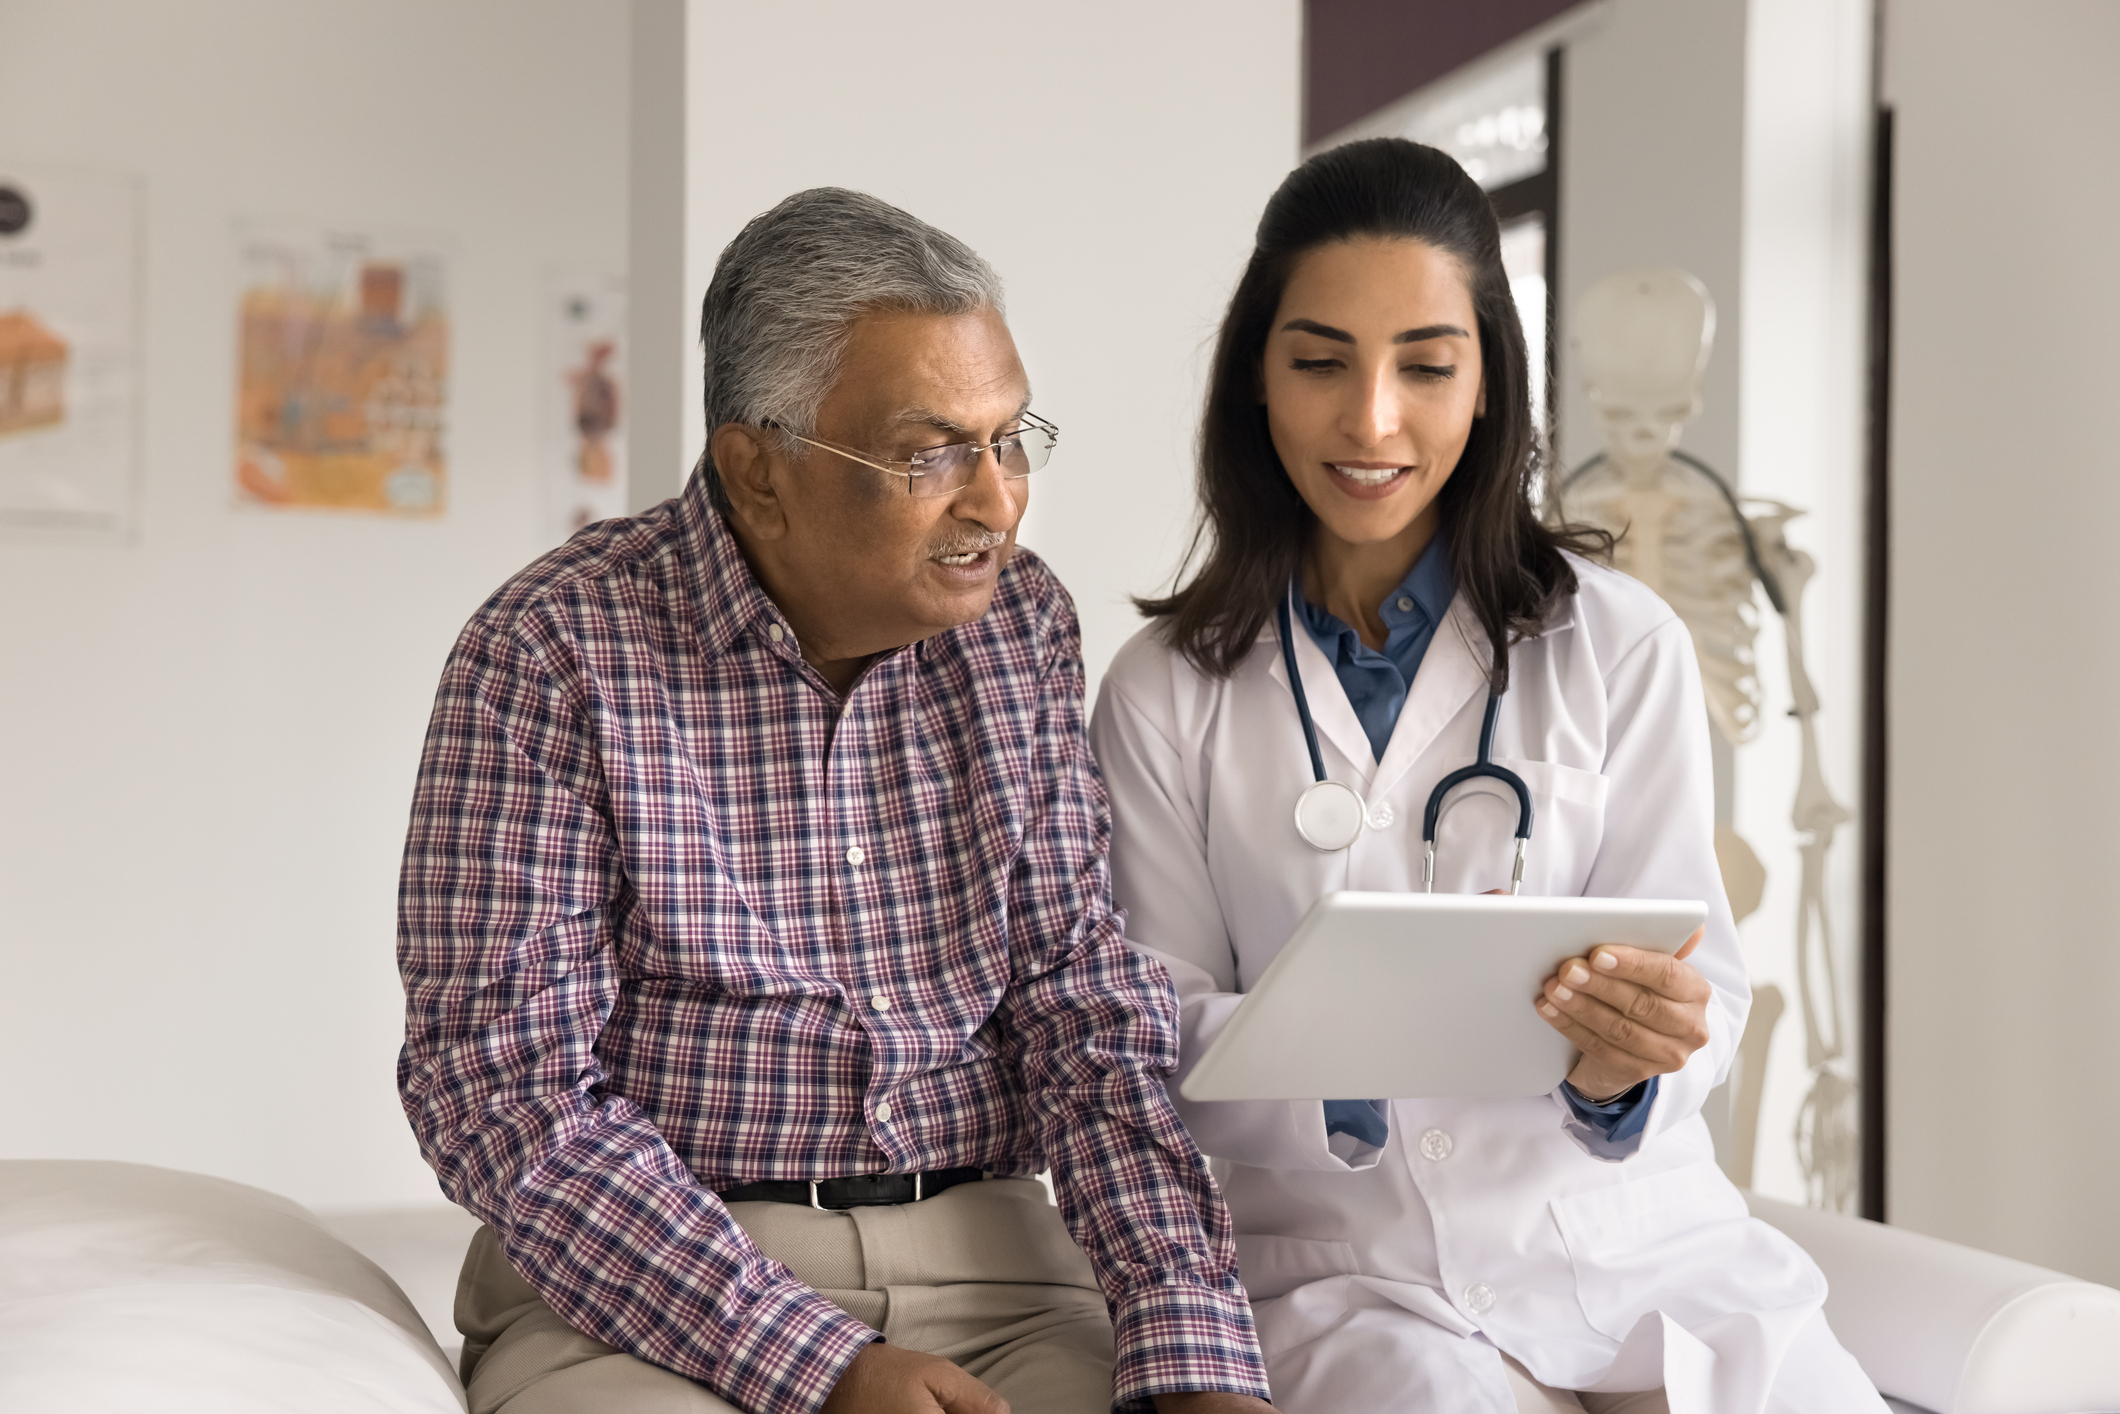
x=69, y=353
x=581, y=401
x=342, y=389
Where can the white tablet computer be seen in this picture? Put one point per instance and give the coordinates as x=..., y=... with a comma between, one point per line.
x=1420, y=996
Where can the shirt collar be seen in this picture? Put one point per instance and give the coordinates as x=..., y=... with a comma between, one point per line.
x=1427, y=589
x=1431, y=584
x=726, y=593
x=728, y=597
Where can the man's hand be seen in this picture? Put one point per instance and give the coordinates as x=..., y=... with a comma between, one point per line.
x=1631, y=1013
x=1209, y=1403
x=889, y=1379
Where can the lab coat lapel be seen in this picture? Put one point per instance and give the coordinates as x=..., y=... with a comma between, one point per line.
x=1329, y=707
x=1452, y=673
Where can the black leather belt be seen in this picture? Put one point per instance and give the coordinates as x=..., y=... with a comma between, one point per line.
x=876, y=1190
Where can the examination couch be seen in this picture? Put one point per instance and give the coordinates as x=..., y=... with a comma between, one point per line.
x=126, y=1288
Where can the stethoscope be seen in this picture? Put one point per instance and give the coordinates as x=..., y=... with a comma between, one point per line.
x=1330, y=814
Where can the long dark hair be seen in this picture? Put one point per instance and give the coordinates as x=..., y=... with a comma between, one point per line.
x=1508, y=562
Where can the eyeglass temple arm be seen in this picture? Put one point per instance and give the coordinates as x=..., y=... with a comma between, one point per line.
x=1040, y=423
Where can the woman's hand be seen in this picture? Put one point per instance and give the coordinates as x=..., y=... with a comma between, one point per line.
x=1631, y=1013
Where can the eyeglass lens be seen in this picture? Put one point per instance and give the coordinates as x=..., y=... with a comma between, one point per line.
x=941, y=470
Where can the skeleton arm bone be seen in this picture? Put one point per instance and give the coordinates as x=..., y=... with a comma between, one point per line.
x=1826, y=1143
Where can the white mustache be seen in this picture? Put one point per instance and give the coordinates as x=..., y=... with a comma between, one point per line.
x=970, y=544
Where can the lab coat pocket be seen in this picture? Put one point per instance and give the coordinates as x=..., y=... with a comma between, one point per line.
x=1271, y=1266
x=1551, y=781
x=1568, y=824
x=1677, y=1241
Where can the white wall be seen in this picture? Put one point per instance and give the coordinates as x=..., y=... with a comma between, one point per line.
x=208, y=738
x=1111, y=160
x=1652, y=137
x=2005, y=659
x=662, y=332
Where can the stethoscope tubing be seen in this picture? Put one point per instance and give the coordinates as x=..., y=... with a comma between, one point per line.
x=1482, y=767
x=1295, y=683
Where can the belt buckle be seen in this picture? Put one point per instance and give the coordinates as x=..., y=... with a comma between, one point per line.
x=816, y=1198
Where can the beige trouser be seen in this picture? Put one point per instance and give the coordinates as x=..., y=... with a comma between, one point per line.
x=984, y=1274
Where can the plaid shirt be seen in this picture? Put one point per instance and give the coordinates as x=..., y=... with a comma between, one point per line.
x=675, y=917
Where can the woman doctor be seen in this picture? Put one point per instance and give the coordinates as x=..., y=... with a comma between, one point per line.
x=1366, y=466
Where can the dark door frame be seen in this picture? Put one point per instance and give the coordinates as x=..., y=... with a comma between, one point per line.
x=1876, y=679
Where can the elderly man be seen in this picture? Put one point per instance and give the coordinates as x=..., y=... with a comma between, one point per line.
x=754, y=920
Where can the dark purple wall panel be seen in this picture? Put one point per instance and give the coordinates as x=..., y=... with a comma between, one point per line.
x=1361, y=54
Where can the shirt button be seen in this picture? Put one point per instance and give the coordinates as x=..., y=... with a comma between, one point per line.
x=1383, y=817
x=883, y=1116
x=855, y=855
x=1479, y=1298
x=1436, y=1146
x=880, y=1002
x=774, y=632
x=1405, y=604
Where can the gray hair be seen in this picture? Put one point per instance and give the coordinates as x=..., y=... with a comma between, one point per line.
x=786, y=292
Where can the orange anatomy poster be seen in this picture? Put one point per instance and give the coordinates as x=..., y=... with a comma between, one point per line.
x=343, y=380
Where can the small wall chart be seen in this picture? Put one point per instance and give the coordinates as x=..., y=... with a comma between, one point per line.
x=581, y=401
x=69, y=353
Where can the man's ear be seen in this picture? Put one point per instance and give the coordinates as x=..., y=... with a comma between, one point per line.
x=748, y=460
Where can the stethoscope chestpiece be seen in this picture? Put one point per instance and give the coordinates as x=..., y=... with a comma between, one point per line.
x=1330, y=815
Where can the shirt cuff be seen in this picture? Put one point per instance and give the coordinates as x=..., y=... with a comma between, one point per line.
x=789, y=1354
x=1182, y=1338
x=1611, y=1131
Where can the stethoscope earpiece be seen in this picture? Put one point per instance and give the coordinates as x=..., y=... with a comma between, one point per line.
x=1330, y=814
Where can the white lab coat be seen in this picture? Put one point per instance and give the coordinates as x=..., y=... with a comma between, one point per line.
x=1388, y=1279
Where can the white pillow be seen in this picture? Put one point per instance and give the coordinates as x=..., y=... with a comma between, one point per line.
x=1956, y=1330
x=126, y=1288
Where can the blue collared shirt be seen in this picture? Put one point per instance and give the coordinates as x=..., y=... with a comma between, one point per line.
x=1376, y=684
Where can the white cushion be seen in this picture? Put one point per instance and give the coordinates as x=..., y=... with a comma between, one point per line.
x=1957, y=1330
x=126, y=1288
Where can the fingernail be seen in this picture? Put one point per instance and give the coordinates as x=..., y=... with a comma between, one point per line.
x=1548, y=1009
x=1576, y=974
x=1606, y=960
x=1563, y=993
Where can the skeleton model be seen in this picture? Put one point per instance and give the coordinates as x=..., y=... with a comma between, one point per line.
x=1825, y=1127
x=1643, y=338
